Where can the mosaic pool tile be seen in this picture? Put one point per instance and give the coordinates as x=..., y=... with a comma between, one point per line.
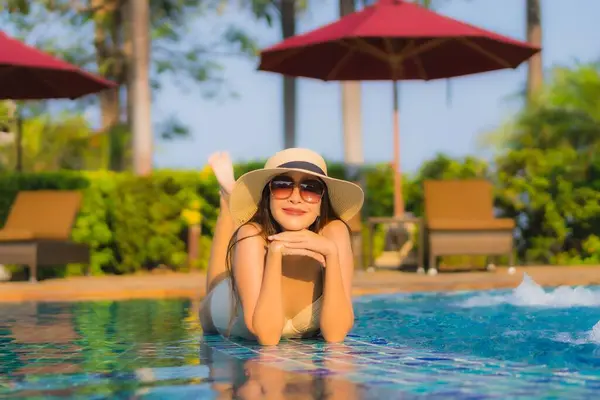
x=375, y=362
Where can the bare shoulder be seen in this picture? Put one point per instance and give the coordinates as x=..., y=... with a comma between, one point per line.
x=336, y=230
x=249, y=230
x=249, y=239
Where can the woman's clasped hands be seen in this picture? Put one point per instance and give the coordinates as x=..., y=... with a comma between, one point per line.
x=302, y=243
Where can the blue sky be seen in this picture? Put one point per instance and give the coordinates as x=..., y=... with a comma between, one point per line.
x=250, y=125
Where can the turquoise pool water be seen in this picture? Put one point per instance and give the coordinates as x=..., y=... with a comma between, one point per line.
x=523, y=343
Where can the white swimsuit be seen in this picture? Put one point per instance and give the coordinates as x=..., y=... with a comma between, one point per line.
x=306, y=322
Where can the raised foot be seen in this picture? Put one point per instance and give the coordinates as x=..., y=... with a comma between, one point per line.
x=222, y=167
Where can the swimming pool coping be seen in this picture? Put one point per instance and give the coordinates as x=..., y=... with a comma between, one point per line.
x=191, y=285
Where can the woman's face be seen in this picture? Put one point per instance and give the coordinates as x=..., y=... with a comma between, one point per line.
x=295, y=200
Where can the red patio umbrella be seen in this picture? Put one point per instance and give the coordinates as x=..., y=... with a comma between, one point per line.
x=394, y=40
x=27, y=73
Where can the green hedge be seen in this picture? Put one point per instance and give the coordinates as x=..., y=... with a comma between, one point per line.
x=133, y=223
x=129, y=222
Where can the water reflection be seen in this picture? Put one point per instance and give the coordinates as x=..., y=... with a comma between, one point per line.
x=258, y=378
x=147, y=349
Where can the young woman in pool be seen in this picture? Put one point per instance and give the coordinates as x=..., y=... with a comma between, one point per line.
x=281, y=260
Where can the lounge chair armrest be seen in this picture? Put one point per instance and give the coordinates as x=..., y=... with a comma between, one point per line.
x=471, y=225
x=15, y=235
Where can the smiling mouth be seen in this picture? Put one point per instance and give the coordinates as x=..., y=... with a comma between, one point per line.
x=293, y=211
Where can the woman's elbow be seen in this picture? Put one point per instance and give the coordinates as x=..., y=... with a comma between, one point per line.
x=334, y=337
x=268, y=338
x=267, y=335
x=336, y=334
x=268, y=341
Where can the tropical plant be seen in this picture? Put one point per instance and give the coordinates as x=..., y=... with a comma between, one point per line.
x=549, y=174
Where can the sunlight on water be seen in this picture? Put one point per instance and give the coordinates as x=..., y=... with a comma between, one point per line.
x=530, y=294
x=591, y=337
x=595, y=333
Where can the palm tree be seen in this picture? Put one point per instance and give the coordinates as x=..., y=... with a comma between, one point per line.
x=287, y=11
x=535, y=72
x=351, y=112
x=139, y=84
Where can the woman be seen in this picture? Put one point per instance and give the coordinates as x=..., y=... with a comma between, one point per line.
x=281, y=260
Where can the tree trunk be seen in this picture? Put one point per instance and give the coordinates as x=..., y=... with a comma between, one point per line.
x=351, y=113
x=141, y=123
x=109, y=99
x=535, y=73
x=110, y=102
x=288, y=29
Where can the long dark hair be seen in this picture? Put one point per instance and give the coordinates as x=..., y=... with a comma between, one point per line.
x=269, y=226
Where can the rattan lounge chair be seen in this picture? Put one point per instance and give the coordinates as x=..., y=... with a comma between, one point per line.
x=460, y=220
x=38, y=229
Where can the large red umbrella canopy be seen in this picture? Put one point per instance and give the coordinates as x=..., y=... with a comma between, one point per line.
x=394, y=40
x=27, y=73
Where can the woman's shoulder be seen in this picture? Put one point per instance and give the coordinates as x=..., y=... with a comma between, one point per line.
x=248, y=230
x=335, y=228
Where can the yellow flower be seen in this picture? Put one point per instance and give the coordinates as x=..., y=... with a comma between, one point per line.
x=206, y=172
x=191, y=217
x=195, y=204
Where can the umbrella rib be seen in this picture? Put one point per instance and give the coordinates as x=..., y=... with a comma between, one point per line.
x=391, y=57
x=431, y=44
x=368, y=48
x=416, y=60
x=420, y=69
x=485, y=52
x=338, y=66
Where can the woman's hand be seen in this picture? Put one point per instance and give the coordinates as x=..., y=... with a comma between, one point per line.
x=281, y=248
x=306, y=240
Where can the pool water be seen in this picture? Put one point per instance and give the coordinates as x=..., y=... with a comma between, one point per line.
x=522, y=343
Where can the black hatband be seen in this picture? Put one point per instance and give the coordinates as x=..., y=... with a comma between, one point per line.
x=303, y=165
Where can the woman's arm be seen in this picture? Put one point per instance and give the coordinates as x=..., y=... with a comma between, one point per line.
x=257, y=274
x=268, y=316
x=337, y=315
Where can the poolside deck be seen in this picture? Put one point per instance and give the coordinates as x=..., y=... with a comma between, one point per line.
x=191, y=285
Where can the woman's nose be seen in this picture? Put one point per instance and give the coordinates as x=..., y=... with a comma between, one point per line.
x=295, y=197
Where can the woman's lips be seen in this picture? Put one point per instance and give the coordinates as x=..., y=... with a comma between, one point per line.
x=293, y=211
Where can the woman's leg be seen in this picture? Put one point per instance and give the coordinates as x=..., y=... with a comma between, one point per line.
x=217, y=269
x=224, y=228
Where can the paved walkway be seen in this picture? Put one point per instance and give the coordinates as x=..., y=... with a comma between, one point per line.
x=191, y=285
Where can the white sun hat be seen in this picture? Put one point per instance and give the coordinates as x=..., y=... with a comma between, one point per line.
x=346, y=198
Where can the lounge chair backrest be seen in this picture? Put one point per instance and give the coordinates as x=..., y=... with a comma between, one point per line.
x=458, y=199
x=45, y=213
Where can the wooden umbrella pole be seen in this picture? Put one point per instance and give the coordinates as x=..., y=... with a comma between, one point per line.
x=398, y=198
x=19, y=139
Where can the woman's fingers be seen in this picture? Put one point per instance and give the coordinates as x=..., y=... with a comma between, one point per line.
x=294, y=245
x=299, y=236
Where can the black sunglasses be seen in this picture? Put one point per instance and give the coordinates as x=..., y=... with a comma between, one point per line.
x=311, y=189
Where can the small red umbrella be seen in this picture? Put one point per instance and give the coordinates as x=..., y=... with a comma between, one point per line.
x=394, y=40
x=27, y=73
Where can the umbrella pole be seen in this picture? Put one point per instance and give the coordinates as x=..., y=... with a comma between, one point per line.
x=19, y=139
x=398, y=199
